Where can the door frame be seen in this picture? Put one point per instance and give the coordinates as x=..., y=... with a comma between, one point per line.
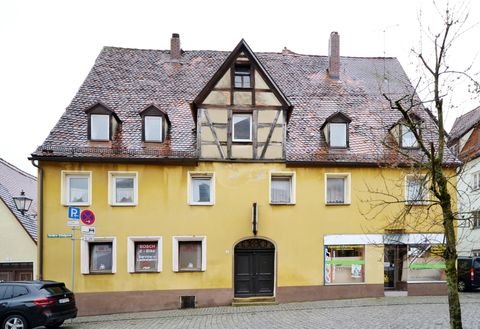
x=275, y=266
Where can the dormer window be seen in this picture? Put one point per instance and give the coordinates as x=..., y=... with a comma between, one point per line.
x=155, y=124
x=242, y=127
x=408, y=139
x=335, y=130
x=102, y=122
x=242, y=76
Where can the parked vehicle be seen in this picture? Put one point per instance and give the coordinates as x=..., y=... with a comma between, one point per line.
x=468, y=273
x=29, y=304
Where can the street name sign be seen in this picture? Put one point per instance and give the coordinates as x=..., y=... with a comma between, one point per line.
x=59, y=235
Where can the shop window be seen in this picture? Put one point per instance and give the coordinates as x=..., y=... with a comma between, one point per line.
x=337, y=189
x=76, y=188
x=344, y=264
x=416, y=190
x=201, y=188
x=426, y=263
x=282, y=188
x=189, y=253
x=144, y=254
x=242, y=76
x=242, y=127
x=98, y=256
x=123, y=188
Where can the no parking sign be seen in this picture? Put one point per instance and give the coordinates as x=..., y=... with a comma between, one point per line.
x=87, y=217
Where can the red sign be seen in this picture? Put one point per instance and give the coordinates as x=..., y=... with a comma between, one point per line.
x=87, y=217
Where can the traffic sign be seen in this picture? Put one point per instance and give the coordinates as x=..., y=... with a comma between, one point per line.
x=87, y=217
x=59, y=235
x=73, y=223
x=88, y=230
x=88, y=238
x=74, y=212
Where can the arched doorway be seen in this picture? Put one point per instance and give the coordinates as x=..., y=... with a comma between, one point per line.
x=254, y=268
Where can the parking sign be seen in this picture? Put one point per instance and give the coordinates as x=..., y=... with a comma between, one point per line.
x=74, y=212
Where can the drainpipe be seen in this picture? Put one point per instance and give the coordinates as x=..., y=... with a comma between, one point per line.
x=40, y=221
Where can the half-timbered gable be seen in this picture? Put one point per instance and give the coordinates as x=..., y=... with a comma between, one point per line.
x=241, y=114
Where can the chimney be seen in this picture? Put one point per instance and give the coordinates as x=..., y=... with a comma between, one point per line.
x=334, y=56
x=175, y=51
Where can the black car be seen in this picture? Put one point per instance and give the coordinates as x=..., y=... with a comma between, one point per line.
x=29, y=304
x=468, y=273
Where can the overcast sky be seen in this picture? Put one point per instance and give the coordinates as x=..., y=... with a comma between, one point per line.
x=47, y=47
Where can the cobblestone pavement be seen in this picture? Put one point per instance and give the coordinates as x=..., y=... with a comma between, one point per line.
x=369, y=313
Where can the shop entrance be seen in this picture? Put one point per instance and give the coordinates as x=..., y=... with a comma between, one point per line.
x=254, y=268
x=393, y=262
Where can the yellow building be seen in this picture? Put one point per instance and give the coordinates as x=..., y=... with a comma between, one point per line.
x=208, y=177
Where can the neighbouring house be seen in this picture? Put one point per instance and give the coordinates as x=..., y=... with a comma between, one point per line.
x=465, y=141
x=208, y=177
x=18, y=229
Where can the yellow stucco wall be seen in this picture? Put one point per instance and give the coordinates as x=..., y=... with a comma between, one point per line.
x=296, y=230
x=15, y=243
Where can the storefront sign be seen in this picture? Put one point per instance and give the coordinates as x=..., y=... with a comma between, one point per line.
x=146, y=259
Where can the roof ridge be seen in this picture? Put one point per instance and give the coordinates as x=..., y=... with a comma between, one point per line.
x=18, y=170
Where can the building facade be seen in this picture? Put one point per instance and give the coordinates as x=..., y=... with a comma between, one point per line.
x=18, y=231
x=464, y=140
x=218, y=176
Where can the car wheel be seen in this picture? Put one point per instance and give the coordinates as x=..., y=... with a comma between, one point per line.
x=54, y=325
x=462, y=286
x=15, y=321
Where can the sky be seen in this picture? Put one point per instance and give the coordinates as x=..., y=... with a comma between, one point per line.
x=47, y=47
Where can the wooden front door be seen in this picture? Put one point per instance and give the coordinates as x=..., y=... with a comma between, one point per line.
x=254, y=268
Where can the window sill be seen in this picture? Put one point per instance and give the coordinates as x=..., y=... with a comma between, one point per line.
x=242, y=141
x=123, y=204
x=99, y=273
x=337, y=204
x=76, y=204
x=189, y=271
x=201, y=204
x=144, y=272
x=282, y=203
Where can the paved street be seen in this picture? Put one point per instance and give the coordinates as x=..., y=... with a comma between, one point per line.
x=390, y=312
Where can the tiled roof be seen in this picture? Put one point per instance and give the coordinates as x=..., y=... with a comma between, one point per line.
x=12, y=182
x=128, y=80
x=464, y=123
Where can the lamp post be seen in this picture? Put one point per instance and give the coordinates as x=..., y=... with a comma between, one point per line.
x=22, y=203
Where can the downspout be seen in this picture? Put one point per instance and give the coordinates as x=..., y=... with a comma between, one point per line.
x=40, y=221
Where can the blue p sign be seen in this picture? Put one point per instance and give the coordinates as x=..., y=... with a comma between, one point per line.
x=74, y=212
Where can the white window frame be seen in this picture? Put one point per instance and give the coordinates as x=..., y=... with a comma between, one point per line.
x=175, y=251
x=347, y=188
x=131, y=252
x=403, y=133
x=426, y=192
x=283, y=174
x=85, y=254
x=249, y=115
x=65, y=187
x=475, y=219
x=92, y=116
x=146, y=118
x=202, y=175
x=111, y=187
x=476, y=181
x=331, y=124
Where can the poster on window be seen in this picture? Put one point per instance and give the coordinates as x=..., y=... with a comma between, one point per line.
x=146, y=256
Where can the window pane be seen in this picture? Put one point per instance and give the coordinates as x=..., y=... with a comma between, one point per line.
x=201, y=189
x=124, y=189
x=242, y=124
x=78, y=189
x=416, y=191
x=338, y=135
x=281, y=190
x=190, y=255
x=100, y=127
x=153, y=128
x=344, y=264
x=335, y=190
x=146, y=256
x=238, y=81
x=408, y=138
x=100, y=257
x=425, y=263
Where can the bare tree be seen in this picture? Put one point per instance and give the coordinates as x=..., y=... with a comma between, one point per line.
x=435, y=89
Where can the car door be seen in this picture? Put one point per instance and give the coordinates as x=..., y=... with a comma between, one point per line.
x=5, y=295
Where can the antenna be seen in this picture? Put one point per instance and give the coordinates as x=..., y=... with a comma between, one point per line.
x=387, y=27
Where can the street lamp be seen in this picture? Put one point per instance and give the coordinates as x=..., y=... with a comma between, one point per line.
x=22, y=203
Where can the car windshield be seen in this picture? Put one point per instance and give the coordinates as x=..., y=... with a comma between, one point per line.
x=56, y=289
